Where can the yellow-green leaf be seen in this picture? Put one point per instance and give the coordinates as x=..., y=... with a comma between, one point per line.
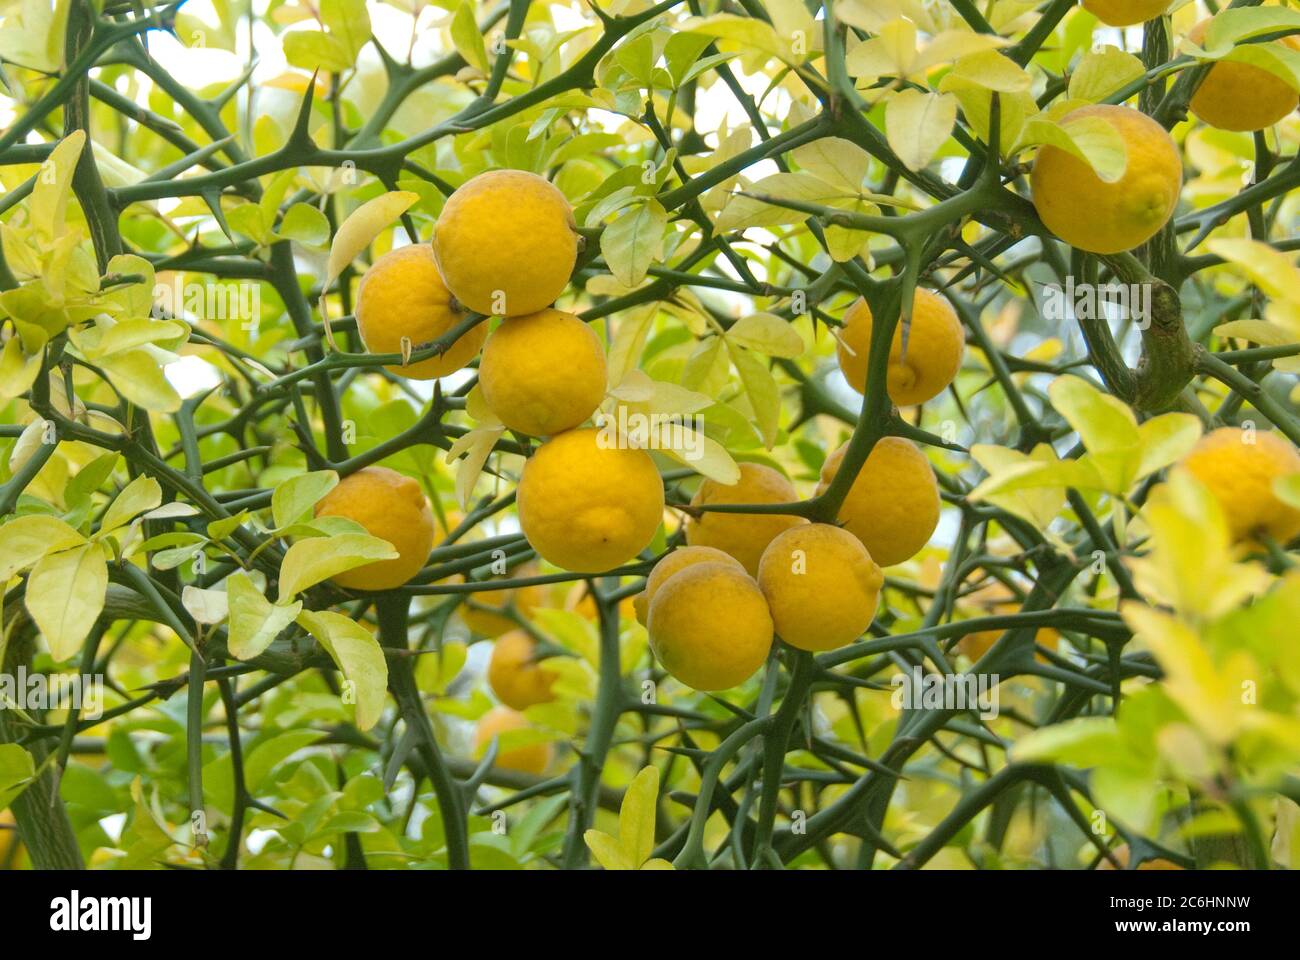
x=65, y=594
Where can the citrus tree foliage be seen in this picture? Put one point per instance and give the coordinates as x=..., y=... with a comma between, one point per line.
x=183, y=383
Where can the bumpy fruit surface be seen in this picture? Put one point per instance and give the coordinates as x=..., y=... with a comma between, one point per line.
x=543, y=373
x=1239, y=468
x=531, y=758
x=506, y=242
x=709, y=626
x=515, y=675
x=893, y=504
x=1241, y=96
x=588, y=507
x=1090, y=214
x=1125, y=13
x=390, y=506
x=935, y=345
x=743, y=535
x=821, y=586
x=679, y=559
x=402, y=296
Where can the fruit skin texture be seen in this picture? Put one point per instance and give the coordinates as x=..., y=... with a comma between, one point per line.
x=679, y=559
x=893, y=504
x=1125, y=13
x=506, y=232
x=1090, y=214
x=531, y=758
x=935, y=344
x=1239, y=96
x=402, y=295
x=709, y=626
x=390, y=506
x=514, y=674
x=589, y=508
x=743, y=535
x=1240, y=475
x=821, y=586
x=544, y=373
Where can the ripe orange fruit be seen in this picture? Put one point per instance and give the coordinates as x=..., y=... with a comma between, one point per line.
x=935, y=344
x=1090, y=214
x=392, y=507
x=743, y=535
x=531, y=758
x=402, y=296
x=515, y=675
x=1241, y=96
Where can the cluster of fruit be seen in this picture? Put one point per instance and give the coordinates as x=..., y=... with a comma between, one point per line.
x=1106, y=217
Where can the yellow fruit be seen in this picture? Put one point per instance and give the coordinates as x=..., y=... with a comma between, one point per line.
x=1090, y=214
x=679, y=559
x=821, y=585
x=1240, y=96
x=1239, y=469
x=506, y=242
x=483, y=610
x=588, y=507
x=709, y=626
x=935, y=344
x=544, y=373
x=402, y=295
x=975, y=645
x=1125, y=13
x=1121, y=854
x=743, y=535
x=392, y=507
x=514, y=674
x=893, y=504
x=531, y=758
x=8, y=837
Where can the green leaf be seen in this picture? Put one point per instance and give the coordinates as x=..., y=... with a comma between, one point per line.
x=636, y=817
x=139, y=378
x=254, y=620
x=1106, y=426
x=65, y=594
x=917, y=124
x=49, y=200
x=1082, y=742
x=17, y=771
x=760, y=387
x=607, y=851
x=1102, y=72
x=766, y=333
x=306, y=224
x=358, y=655
x=1166, y=439
x=141, y=494
x=465, y=35
x=17, y=370
x=1091, y=139
x=25, y=540
x=634, y=241
x=308, y=562
x=293, y=499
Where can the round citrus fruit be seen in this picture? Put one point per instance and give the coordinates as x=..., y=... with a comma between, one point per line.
x=1239, y=468
x=588, y=506
x=821, y=585
x=743, y=535
x=392, y=507
x=543, y=373
x=531, y=758
x=709, y=626
x=514, y=674
x=402, y=297
x=893, y=504
x=1091, y=214
x=506, y=242
x=920, y=372
x=1242, y=96
x=1125, y=13
x=679, y=559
